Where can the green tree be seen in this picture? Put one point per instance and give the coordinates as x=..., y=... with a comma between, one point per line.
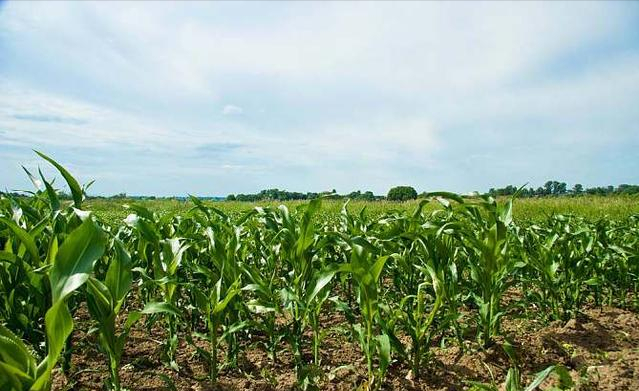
x=402, y=193
x=368, y=196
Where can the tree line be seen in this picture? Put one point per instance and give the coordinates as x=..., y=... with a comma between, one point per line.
x=555, y=188
x=404, y=193
x=283, y=195
x=397, y=193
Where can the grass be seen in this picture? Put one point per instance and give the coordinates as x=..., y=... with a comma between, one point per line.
x=525, y=209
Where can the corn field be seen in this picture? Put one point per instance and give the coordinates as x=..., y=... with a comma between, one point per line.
x=447, y=273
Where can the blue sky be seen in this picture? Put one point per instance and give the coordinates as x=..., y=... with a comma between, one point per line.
x=216, y=98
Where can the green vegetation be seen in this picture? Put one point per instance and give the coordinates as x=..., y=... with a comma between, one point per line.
x=525, y=211
x=232, y=274
x=555, y=188
x=401, y=193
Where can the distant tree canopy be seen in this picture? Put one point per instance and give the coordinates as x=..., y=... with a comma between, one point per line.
x=401, y=193
x=283, y=195
x=556, y=188
x=358, y=195
x=272, y=194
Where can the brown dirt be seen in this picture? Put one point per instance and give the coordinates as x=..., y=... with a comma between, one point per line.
x=600, y=349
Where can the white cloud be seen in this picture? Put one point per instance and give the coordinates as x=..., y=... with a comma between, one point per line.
x=32, y=117
x=370, y=90
x=401, y=47
x=232, y=110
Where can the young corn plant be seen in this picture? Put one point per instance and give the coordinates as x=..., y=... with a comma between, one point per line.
x=562, y=255
x=303, y=292
x=161, y=257
x=219, y=265
x=105, y=300
x=487, y=237
x=23, y=282
x=366, y=268
x=417, y=313
x=72, y=264
x=38, y=224
x=214, y=306
x=538, y=254
x=425, y=276
x=265, y=304
x=419, y=319
x=35, y=226
x=513, y=381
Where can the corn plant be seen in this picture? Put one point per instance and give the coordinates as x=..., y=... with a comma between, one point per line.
x=71, y=267
x=488, y=237
x=513, y=381
x=37, y=224
x=299, y=248
x=161, y=257
x=219, y=266
x=366, y=268
x=266, y=303
x=562, y=256
x=419, y=314
x=105, y=299
x=23, y=281
x=213, y=304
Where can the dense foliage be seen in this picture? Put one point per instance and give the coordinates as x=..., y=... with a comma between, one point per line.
x=402, y=280
x=401, y=193
x=283, y=195
x=555, y=188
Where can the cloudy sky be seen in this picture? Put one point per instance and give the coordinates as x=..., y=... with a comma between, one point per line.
x=217, y=98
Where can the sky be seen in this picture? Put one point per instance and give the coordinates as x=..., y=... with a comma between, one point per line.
x=213, y=98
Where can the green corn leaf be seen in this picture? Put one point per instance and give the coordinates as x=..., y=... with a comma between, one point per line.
x=7, y=256
x=234, y=328
x=75, y=258
x=131, y=318
x=230, y=294
x=99, y=300
x=142, y=211
x=160, y=307
x=512, y=382
x=384, y=348
x=119, y=276
x=25, y=238
x=540, y=377
x=53, y=197
x=306, y=226
x=378, y=266
x=446, y=195
x=58, y=324
x=53, y=251
x=74, y=186
x=14, y=353
x=322, y=280
x=34, y=180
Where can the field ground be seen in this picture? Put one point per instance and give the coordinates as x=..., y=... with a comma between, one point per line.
x=600, y=349
x=583, y=271
x=525, y=209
